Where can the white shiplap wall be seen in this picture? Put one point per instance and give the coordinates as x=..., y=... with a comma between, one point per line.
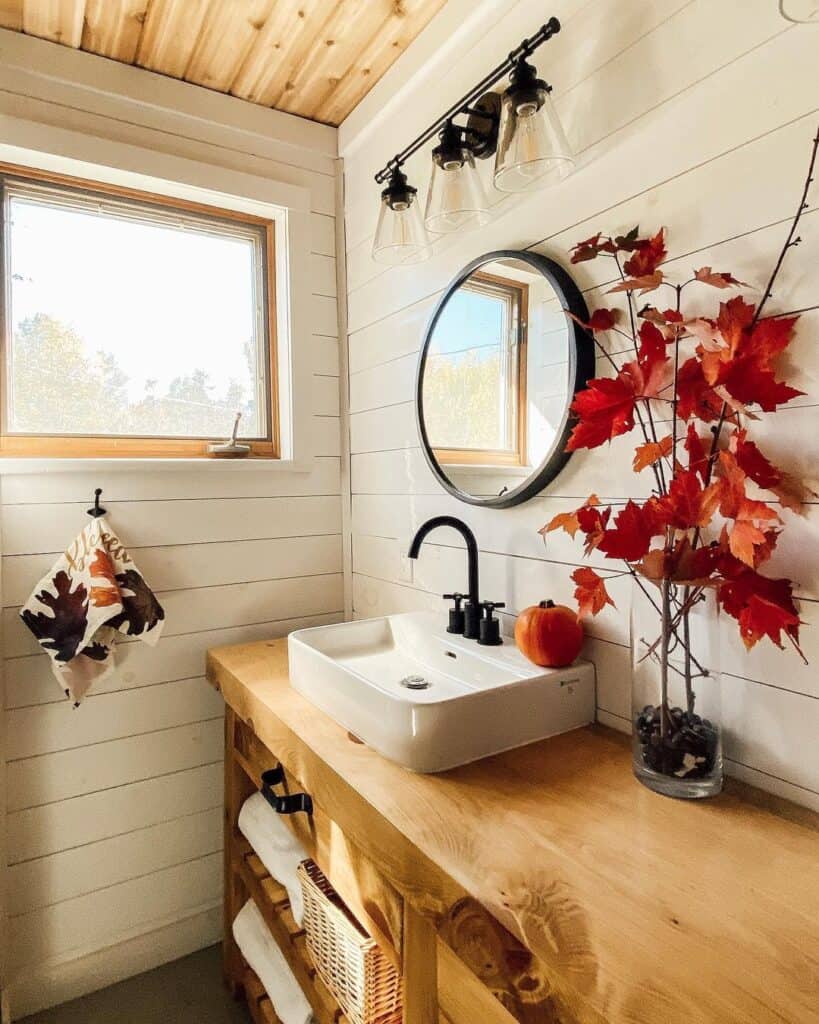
x=685, y=113
x=115, y=810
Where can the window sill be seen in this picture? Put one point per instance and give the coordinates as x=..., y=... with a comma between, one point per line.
x=24, y=465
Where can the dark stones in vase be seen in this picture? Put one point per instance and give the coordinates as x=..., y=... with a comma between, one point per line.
x=687, y=750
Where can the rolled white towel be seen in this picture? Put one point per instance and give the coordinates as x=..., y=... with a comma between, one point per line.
x=276, y=846
x=261, y=951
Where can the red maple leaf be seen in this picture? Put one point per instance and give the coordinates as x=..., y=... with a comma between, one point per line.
x=642, y=284
x=750, y=538
x=762, y=606
x=591, y=594
x=791, y=492
x=634, y=528
x=668, y=321
x=735, y=317
x=651, y=452
x=605, y=409
x=588, y=249
x=648, y=254
x=684, y=564
x=695, y=396
x=688, y=504
x=593, y=523
x=698, y=458
x=739, y=357
x=600, y=320
x=666, y=316
x=718, y=280
x=650, y=372
x=749, y=382
x=568, y=521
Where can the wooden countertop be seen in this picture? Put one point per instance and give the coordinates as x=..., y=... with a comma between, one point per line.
x=638, y=909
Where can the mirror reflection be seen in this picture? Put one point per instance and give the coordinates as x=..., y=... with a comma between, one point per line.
x=497, y=380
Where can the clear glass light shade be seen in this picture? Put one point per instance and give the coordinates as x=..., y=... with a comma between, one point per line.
x=533, y=150
x=400, y=235
x=456, y=198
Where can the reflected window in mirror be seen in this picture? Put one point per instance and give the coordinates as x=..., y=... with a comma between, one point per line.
x=475, y=383
x=498, y=369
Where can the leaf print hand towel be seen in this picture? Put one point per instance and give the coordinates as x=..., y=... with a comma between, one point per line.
x=93, y=592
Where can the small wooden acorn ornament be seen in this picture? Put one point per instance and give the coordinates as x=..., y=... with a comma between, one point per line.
x=549, y=634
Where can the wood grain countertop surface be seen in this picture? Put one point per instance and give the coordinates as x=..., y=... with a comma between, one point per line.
x=638, y=909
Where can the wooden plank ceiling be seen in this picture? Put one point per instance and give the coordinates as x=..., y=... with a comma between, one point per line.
x=315, y=58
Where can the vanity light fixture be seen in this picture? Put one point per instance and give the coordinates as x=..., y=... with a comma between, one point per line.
x=400, y=235
x=456, y=198
x=520, y=128
x=532, y=147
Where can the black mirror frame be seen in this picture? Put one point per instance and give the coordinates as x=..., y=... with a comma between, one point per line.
x=581, y=370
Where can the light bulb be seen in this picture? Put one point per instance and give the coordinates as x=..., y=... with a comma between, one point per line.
x=532, y=147
x=400, y=235
x=456, y=198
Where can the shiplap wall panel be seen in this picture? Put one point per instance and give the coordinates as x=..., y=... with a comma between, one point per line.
x=42, y=730
x=115, y=816
x=31, y=528
x=65, y=824
x=71, y=873
x=64, y=774
x=216, y=607
x=94, y=919
x=703, y=146
x=29, y=679
x=150, y=485
x=185, y=566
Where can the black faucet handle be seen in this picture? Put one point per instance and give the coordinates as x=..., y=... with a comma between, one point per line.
x=490, y=627
x=457, y=618
x=490, y=606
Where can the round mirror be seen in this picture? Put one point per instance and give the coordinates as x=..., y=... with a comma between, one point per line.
x=499, y=367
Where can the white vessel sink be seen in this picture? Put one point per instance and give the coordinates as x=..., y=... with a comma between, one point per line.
x=431, y=700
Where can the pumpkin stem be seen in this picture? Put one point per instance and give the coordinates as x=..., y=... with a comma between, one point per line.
x=546, y=604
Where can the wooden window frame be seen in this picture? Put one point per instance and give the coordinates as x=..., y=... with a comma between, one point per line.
x=516, y=456
x=70, y=446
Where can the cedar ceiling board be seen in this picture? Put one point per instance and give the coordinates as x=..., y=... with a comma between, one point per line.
x=379, y=54
x=287, y=35
x=227, y=35
x=58, y=20
x=169, y=35
x=312, y=58
x=113, y=28
x=11, y=14
x=333, y=52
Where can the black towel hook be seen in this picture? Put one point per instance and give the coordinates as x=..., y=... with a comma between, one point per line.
x=97, y=510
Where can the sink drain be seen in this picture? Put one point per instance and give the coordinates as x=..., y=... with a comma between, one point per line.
x=415, y=683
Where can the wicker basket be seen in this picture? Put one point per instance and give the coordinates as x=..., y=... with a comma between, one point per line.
x=348, y=961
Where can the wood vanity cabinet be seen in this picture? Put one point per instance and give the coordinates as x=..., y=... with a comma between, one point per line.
x=439, y=986
x=543, y=886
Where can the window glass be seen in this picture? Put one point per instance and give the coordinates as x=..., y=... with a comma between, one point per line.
x=471, y=374
x=129, y=319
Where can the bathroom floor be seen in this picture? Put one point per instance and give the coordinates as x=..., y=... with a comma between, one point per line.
x=187, y=991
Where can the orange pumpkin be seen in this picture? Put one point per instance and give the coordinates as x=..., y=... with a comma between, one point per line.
x=549, y=634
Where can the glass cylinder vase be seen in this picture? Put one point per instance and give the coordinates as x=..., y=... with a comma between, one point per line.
x=676, y=734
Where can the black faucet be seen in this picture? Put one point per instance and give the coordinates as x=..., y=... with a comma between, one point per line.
x=472, y=611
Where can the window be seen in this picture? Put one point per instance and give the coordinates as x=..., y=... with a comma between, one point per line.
x=475, y=377
x=133, y=324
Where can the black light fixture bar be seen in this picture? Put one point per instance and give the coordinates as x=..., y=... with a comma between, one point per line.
x=464, y=104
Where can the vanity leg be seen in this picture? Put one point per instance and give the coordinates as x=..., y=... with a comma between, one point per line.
x=231, y=958
x=420, y=968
